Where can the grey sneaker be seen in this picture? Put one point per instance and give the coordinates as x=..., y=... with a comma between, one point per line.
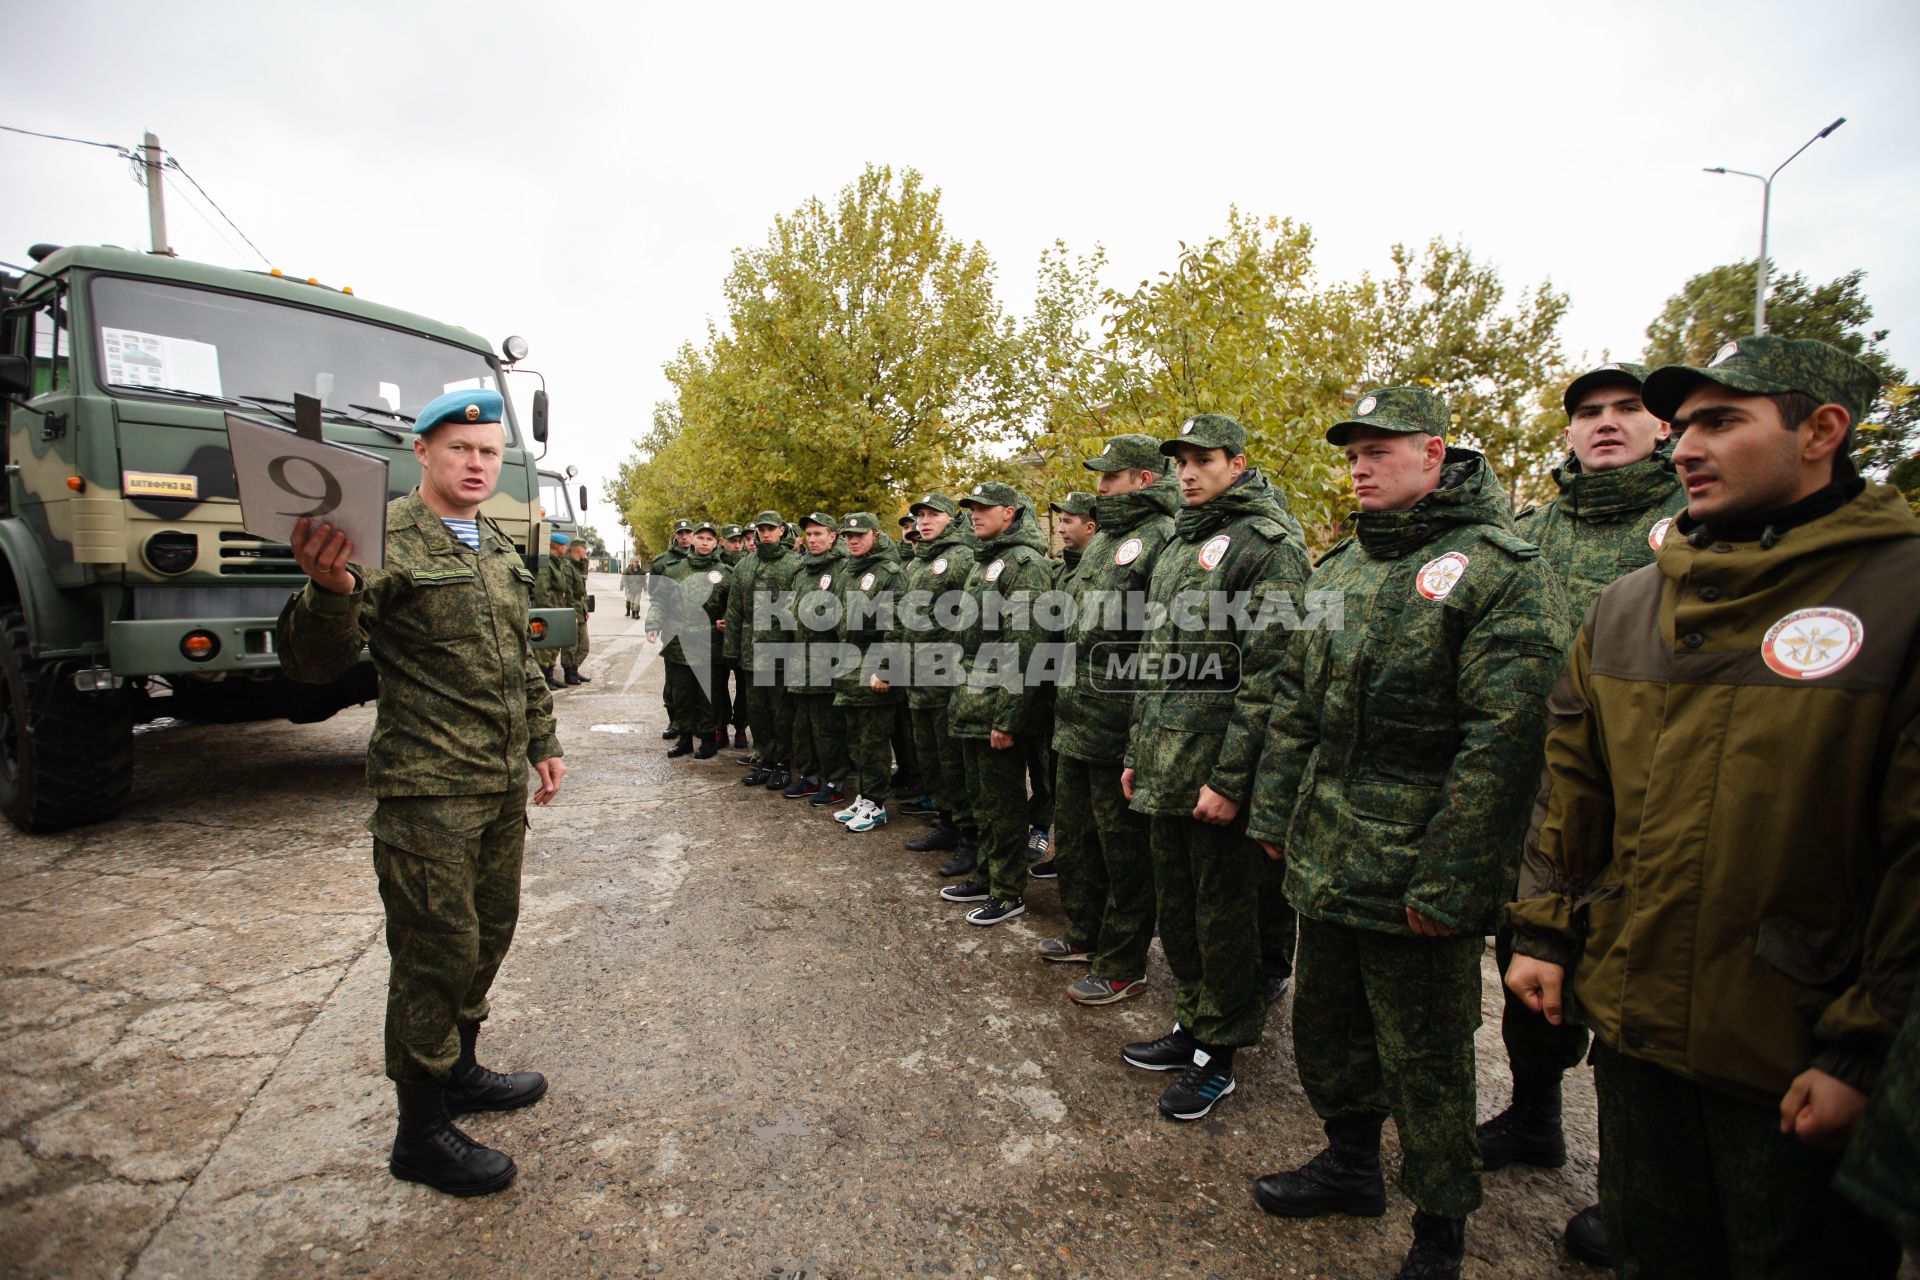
x=1092, y=990
x=1060, y=951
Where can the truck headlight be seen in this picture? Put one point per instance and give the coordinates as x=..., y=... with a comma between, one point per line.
x=171, y=551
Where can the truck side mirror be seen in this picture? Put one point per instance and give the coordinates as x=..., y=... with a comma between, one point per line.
x=583, y=497
x=16, y=377
x=540, y=415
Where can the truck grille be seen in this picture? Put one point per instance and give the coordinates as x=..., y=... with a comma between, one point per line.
x=208, y=602
x=242, y=553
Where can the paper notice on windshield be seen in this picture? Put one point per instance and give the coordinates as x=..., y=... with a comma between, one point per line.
x=138, y=359
x=284, y=477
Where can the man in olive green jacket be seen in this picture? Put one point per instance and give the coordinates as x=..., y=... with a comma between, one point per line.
x=759, y=579
x=942, y=559
x=1397, y=782
x=863, y=694
x=1732, y=838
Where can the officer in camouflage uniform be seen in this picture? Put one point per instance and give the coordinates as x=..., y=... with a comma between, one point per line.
x=462, y=712
x=1192, y=747
x=757, y=580
x=1102, y=845
x=659, y=584
x=685, y=591
x=995, y=711
x=553, y=588
x=1397, y=782
x=1618, y=497
x=1073, y=519
x=943, y=558
x=820, y=735
x=572, y=657
x=730, y=686
x=869, y=590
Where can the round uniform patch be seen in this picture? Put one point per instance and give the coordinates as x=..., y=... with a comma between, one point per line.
x=714, y=576
x=1810, y=643
x=1366, y=406
x=1186, y=428
x=825, y=580
x=1727, y=352
x=993, y=570
x=1128, y=551
x=1657, y=535
x=866, y=582
x=1211, y=554
x=473, y=413
x=940, y=565
x=1440, y=575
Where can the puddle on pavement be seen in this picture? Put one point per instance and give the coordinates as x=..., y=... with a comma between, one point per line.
x=791, y=1127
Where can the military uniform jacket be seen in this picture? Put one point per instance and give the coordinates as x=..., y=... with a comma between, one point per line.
x=578, y=568
x=1205, y=728
x=690, y=595
x=463, y=706
x=869, y=592
x=1733, y=834
x=1405, y=751
x=1604, y=524
x=817, y=579
x=1093, y=712
x=993, y=695
x=754, y=575
x=553, y=588
x=937, y=568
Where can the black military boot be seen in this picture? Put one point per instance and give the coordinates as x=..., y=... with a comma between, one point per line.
x=1586, y=1238
x=1438, y=1246
x=709, y=747
x=684, y=747
x=1345, y=1178
x=428, y=1148
x=551, y=682
x=943, y=836
x=1528, y=1131
x=573, y=675
x=965, y=854
x=472, y=1087
x=779, y=779
x=757, y=778
x=669, y=735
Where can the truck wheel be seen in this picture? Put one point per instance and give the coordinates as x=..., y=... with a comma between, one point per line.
x=66, y=757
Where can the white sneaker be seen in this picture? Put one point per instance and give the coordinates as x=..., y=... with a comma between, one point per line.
x=875, y=816
x=852, y=811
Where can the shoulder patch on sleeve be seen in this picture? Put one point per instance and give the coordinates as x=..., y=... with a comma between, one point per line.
x=1510, y=542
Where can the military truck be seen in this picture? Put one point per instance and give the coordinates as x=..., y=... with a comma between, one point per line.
x=128, y=589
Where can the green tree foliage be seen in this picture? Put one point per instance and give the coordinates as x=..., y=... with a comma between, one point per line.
x=863, y=356
x=1716, y=306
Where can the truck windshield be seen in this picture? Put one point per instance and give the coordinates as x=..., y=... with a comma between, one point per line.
x=554, y=504
x=176, y=338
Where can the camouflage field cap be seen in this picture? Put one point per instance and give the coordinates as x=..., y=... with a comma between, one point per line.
x=905, y=522
x=860, y=522
x=1766, y=366
x=1209, y=431
x=934, y=502
x=706, y=526
x=1131, y=452
x=1620, y=373
x=731, y=531
x=991, y=493
x=1075, y=504
x=820, y=518
x=1401, y=409
x=769, y=519
x=683, y=525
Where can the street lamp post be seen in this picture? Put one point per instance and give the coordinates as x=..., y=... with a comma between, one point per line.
x=1766, y=209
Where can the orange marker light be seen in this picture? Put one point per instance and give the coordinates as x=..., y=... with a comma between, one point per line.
x=276, y=271
x=346, y=288
x=77, y=483
x=537, y=629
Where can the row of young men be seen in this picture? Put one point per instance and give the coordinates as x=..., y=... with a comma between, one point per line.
x=562, y=584
x=1723, y=868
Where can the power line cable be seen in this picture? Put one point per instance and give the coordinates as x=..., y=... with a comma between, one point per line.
x=173, y=162
x=57, y=137
x=186, y=198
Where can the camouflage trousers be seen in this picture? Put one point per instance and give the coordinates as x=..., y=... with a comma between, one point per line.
x=1881, y=1169
x=1105, y=855
x=906, y=752
x=1383, y=1024
x=819, y=737
x=1536, y=1049
x=869, y=747
x=943, y=769
x=577, y=654
x=449, y=873
x=1206, y=883
x=997, y=785
x=689, y=709
x=1699, y=1183
x=1041, y=764
x=763, y=719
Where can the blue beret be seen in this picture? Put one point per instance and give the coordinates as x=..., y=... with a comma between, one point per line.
x=560, y=538
x=460, y=406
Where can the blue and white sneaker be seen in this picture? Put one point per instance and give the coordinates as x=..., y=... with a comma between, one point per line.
x=1192, y=1094
x=874, y=816
x=852, y=811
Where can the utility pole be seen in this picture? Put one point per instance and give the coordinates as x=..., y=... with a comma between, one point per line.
x=156, y=195
x=1766, y=211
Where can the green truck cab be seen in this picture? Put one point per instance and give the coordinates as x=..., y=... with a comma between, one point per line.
x=128, y=589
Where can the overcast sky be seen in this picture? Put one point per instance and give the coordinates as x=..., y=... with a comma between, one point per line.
x=580, y=173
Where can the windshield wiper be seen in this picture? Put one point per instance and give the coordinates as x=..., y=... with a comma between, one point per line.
x=202, y=396
x=338, y=415
x=382, y=410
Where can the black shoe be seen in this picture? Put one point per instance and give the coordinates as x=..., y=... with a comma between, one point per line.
x=709, y=748
x=472, y=1087
x=682, y=748
x=740, y=742
x=1045, y=869
x=968, y=891
x=758, y=778
x=1528, y=1131
x=551, y=682
x=1207, y=1079
x=1586, y=1238
x=801, y=786
x=428, y=1148
x=996, y=910
x=778, y=780
x=1345, y=1178
x=573, y=675
x=832, y=794
x=966, y=855
x=1438, y=1246
x=943, y=837
x=1171, y=1052
x=670, y=735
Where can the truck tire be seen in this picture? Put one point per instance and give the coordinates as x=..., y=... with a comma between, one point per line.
x=66, y=757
